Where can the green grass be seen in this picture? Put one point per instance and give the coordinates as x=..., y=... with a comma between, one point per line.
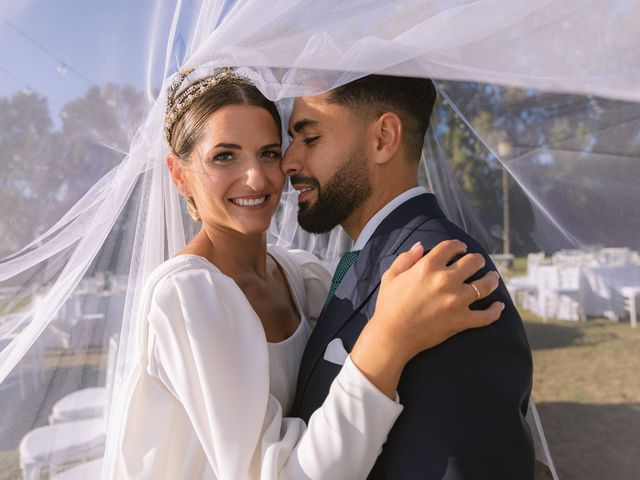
x=9, y=465
x=519, y=267
x=586, y=384
x=597, y=361
x=21, y=305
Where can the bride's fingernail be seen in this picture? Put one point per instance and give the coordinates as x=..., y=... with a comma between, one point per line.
x=415, y=245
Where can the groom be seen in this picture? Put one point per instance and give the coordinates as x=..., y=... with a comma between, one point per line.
x=354, y=158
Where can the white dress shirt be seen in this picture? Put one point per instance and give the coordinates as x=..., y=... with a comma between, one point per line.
x=383, y=213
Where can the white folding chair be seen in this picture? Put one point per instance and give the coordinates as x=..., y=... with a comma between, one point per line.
x=570, y=258
x=520, y=287
x=523, y=287
x=560, y=295
x=53, y=448
x=615, y=256
x=631, y=297
x=87, y=403
x=47, y=450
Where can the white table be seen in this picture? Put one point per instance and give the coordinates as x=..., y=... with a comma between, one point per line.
x=606, y=289
x=609, y=291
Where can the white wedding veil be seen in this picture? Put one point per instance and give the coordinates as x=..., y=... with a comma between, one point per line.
x=538, y=95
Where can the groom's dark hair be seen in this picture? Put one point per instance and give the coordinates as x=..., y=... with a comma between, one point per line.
x=412, y=99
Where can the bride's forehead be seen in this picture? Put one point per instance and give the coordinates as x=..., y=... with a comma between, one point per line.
x=241, y=118
x=232, y=112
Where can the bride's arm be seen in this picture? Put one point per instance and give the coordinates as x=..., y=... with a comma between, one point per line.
x=344, y=436
x=208, y=348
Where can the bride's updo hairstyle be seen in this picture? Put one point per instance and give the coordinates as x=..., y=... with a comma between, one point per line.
x=189, y=110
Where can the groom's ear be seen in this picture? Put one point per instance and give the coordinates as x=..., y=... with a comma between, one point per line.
x=174, y=164
x=387, y=137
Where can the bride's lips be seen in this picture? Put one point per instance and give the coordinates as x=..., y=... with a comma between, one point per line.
x=251, y=202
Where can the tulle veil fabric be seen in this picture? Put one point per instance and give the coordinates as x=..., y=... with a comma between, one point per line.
x=545, y=90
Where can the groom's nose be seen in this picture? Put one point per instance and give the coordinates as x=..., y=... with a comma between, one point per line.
x=291, y=162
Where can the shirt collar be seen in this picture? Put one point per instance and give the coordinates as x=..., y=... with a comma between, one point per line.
x=383, y=213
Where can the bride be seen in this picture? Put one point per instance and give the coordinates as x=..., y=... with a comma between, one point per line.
x=224, y=323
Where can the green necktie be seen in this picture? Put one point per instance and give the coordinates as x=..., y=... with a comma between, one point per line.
x=343, y=265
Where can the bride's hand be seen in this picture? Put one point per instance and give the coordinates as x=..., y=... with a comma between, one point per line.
x=423, y=300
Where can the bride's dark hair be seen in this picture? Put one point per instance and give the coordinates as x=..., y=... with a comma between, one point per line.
x=188, y=130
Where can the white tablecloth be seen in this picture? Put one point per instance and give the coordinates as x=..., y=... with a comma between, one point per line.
x=601, y=288
x=590, y=290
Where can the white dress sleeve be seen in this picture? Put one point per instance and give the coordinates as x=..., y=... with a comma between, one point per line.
x=207, y=346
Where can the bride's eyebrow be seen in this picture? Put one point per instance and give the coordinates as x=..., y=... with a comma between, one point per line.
x=271, y=145
x=228, y=145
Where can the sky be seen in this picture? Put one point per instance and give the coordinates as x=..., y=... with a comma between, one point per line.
x=99, y=41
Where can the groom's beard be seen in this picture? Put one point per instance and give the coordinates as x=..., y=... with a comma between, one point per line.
x=338, y=198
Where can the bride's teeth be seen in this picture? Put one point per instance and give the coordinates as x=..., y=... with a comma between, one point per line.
x=245, y=202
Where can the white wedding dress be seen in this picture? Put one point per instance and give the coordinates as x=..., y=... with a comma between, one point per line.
x=207, y=397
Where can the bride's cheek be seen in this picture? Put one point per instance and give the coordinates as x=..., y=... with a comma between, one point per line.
x=278, y=179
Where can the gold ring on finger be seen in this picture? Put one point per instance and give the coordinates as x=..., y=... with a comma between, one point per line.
x=477, y=290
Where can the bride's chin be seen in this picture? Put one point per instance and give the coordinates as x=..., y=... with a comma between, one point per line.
x=254, y=228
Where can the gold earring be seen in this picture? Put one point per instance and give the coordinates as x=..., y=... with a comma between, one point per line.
x=193, y=210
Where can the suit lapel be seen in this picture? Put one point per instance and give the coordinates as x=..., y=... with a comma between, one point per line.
x=362, y=279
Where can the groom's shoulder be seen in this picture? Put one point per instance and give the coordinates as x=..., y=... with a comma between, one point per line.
x=422, y=219
x=431, y=230
x=438, y=229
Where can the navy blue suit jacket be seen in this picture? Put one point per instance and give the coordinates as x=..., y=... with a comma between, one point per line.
x=465, y=400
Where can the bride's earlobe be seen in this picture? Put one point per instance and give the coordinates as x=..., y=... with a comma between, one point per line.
x=177, y=173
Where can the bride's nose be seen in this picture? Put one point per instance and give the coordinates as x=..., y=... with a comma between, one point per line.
x=256, y=177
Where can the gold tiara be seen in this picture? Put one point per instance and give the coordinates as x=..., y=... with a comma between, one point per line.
x=179, y=103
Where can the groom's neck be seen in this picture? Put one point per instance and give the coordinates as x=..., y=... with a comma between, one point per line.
x=380, y=196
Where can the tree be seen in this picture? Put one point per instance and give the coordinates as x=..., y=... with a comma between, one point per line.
x=27, y=142
x=46, y=170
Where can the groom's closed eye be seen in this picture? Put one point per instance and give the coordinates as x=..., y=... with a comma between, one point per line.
x=301, y=125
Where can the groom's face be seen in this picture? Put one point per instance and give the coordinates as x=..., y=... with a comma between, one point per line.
x=326, y=162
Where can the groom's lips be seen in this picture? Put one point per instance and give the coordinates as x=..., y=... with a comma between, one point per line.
x=305, y=191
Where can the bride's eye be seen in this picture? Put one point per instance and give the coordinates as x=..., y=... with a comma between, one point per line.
x=223, y=157
x=272, y=155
